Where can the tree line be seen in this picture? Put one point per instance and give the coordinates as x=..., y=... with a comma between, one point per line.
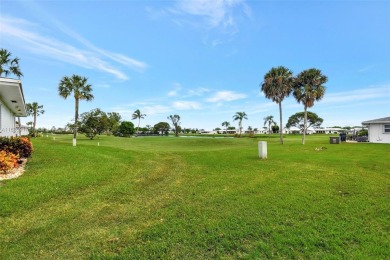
x=307, y=88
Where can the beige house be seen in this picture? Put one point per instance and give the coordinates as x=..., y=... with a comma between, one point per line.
x=378, y=130
x=12, y=105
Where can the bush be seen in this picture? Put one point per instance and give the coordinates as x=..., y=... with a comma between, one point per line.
x=8, y=161
x=20, y=146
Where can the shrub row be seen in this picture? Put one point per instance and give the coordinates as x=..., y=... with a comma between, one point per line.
x=12, y=149
x=20, y=146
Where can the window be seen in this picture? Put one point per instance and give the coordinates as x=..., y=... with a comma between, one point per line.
x=386, y=129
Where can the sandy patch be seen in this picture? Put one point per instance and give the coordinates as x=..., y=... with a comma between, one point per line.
x=14, y=173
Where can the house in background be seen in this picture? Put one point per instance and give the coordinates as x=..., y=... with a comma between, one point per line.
x=378, y=130
x=12, y=105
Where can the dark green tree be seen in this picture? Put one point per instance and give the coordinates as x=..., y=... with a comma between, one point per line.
x=126, y=129
x=114, y=120
x=275, y=128
x=93, y=123
x=161, y=128
x=298, y=120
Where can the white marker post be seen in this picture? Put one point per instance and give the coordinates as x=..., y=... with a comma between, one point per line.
x=263, y=150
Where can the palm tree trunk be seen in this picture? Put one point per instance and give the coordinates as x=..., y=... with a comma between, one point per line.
x=304, y=126
x=76, y=117
x=139, y=120
x=35, y=124
x=281, y=124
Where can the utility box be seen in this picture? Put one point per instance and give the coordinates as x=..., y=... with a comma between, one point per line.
x=334, y=140
x=263, y=150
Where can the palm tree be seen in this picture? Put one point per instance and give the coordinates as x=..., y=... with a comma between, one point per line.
x=270, y=121
x=240, y=116
x=226, y=124
x=33, y=109
x=8, y=65
x=138, y=115
x=277, y=85
x=175, y=121
x=81, y=91
x=309, y=88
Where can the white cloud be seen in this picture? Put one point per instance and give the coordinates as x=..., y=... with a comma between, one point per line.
x=186, y=105
x=226, y=96
x=175, y=91
x=24, y=33
x=155, y=110
x=373, y=92
x=197, y=92
x=213, y=14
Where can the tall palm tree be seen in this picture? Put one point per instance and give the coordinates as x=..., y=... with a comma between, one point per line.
x=81, y=91
x=270, y=121
x=34, y=109
x=225, y=124
x=240, y=116
x=138, y=115
x=309, y=88
x=9, y=65
x=277, y=85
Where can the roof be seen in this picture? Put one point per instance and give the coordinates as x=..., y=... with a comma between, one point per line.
x=11, y=93
x=377, y=121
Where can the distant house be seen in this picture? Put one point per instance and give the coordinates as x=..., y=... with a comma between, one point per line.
x=12, y=105
x=328, y=130
x=378, y=130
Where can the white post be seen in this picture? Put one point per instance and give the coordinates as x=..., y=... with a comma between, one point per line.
x=74, y=141
x=263, y=150
x=98, y=144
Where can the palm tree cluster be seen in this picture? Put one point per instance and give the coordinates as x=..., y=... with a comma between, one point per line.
x=9, y=65
x=307, y=88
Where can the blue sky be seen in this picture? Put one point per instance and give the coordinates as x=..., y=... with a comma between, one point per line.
x=203, y=60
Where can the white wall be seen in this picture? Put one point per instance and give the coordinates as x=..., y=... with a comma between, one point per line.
x=7, y=121
x=376, y=134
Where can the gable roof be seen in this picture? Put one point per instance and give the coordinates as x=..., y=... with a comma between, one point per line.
x=11, y=93
x=377, y=121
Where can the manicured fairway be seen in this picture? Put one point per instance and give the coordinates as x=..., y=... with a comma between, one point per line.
x=198, y=198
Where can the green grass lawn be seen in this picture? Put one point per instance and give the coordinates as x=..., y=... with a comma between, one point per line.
x=197, y=198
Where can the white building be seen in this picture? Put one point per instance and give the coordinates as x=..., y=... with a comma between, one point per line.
x=328, y=130
x=378, y=130
x=12, y=105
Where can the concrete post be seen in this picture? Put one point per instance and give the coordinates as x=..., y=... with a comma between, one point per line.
x=263, y=150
